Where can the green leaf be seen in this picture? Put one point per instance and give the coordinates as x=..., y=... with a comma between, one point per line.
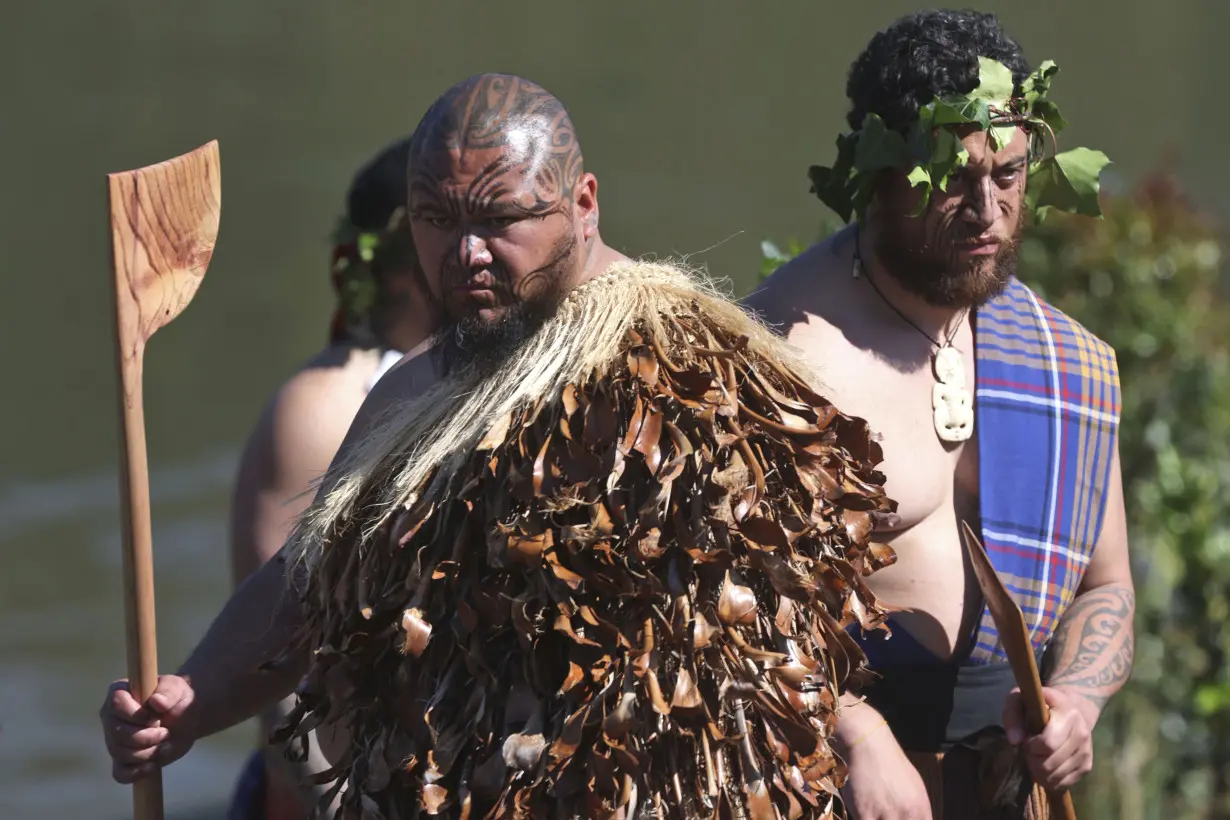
x=879, y=147
x=963, y=111
x=830, y=187
x=994, y=82
x=1001, y=135
x=920, y=177
x=948, y=155
x=1066, y=182
x=948, y=113
x=1047, y=111
x=1038, y=84
x=833, y=185
x=862, y=196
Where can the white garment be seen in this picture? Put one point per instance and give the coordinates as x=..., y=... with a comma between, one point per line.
x=387, y=360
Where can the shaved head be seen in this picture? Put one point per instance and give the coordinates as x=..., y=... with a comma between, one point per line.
x=506, y=112
x=505, y=219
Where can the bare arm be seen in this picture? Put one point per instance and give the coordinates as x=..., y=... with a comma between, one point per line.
x=1093, y=647
x=255, y=626
x=290, y=448
x=260, y=618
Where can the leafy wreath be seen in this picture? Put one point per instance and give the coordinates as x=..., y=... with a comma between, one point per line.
x=355, y=255
x=931, y=151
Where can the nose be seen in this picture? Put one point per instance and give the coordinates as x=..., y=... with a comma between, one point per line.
x=981, y=205
x=473, y=251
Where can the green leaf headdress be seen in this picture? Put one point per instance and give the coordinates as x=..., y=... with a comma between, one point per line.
x=931, y=151
x=356, y=255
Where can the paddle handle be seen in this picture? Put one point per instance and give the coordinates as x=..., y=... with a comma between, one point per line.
x=1065, y=809
x=138, y=566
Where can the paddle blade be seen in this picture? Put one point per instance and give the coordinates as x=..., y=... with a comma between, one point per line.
x=164, y=224
x=1013, y=631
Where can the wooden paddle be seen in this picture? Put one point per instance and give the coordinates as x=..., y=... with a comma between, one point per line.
x=164, y=222
x=1014, y=633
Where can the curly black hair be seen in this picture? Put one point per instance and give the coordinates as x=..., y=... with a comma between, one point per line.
x=379, y=188
x=922, y=55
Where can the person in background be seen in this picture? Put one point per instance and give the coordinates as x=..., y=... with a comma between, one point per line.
x=384, y=310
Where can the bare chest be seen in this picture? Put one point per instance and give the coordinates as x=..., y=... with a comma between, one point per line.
x=934, y=483
x=924, y=474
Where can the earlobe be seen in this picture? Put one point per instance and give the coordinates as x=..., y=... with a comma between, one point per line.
x=587, y=202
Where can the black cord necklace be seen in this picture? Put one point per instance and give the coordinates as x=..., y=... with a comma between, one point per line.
x=951, y=402
x=861, y=273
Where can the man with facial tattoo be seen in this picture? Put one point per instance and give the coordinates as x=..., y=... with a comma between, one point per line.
x=596, y=569
x=894, y=311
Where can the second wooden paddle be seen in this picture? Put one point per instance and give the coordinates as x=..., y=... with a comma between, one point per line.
x=1014, y=633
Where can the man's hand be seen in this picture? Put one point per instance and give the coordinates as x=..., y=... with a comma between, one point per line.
x=1062, y=753
x=143, y=738
x=883, y=784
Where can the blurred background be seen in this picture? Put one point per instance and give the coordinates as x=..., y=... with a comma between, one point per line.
x=700, y=120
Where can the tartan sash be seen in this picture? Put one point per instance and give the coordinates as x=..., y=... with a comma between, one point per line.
x=1047, y=415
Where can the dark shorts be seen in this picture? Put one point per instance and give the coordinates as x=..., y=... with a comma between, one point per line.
x=248, y=800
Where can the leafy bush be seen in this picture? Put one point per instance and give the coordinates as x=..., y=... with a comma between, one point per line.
x=1147, y=278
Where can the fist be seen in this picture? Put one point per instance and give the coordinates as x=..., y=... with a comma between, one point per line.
x=144, y=737
x=1062, y=753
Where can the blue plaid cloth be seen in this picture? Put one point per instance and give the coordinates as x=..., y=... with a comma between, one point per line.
x=1047, y=404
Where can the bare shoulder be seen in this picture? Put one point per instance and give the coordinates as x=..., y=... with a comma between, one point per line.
x=805, y=291
x=406, y=381
x=319, y=401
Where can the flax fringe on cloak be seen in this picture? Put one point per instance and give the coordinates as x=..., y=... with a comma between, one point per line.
x=605, y=580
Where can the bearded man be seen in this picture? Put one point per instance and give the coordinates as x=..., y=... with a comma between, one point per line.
x=947, y=161
x=599, y=568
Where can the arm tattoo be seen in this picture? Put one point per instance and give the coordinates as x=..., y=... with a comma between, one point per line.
x=1094, y=644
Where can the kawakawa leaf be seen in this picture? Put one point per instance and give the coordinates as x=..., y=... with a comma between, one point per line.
x=994, y=82
x=1001, y=135
x=931, y=152
x=879, y=147
x=1069, y=181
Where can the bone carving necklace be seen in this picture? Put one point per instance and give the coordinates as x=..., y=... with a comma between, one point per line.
x=952, y=407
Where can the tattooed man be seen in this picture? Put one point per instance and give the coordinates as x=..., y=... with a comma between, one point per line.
x=596, y=570
x=895, y=309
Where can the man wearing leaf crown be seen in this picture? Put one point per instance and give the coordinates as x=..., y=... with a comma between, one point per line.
x=995, y=409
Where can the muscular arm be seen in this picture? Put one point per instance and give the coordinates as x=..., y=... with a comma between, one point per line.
x=1091, y=654
x=291, y=448
x=260, y=618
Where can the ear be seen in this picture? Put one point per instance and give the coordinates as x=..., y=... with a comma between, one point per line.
x=585, y=198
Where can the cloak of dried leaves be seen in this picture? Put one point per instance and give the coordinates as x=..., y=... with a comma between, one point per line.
x=625, y=600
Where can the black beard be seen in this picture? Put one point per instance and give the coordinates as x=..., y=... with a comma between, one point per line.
x=472, y=342
x=935, y=275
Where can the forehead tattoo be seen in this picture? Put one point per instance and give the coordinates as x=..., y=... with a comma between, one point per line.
x=503, y=112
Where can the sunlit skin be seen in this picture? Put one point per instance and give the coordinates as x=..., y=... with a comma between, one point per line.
x=962, y=249
x=503, y=213
x=488, y=241
x=935, y=268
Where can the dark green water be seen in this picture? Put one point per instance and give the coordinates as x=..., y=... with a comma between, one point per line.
x=699, y=119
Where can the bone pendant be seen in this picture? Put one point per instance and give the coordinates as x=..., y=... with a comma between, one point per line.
x=952, y=412
x=949, y=367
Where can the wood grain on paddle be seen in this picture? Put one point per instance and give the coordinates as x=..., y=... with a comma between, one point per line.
x=1014, y=634
x=164, y=223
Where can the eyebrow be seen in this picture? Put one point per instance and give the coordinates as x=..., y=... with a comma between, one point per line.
x=1013, y=164
x=422, y=189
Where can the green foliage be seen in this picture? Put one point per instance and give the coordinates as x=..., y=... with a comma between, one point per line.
x=931, y=151
x=1147, y=278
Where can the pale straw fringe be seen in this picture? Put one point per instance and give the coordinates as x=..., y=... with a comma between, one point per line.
x=387, y=468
